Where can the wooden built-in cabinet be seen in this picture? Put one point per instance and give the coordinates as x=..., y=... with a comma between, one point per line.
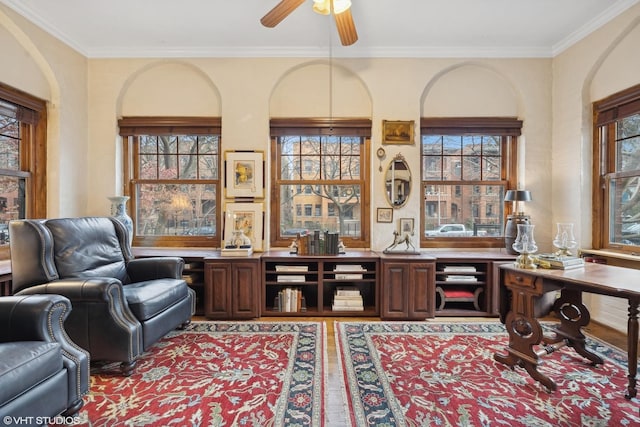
x=407, y=287
x=307, y=285
x=232, y=287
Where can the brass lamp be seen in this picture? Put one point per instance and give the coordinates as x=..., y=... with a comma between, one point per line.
x=517, y=217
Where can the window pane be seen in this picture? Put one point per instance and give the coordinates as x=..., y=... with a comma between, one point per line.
x=12, y=203
x=479, y=208
x=624, y=205
x=431, y=168
x=9, y=152
x=491, y=168
x=208, y=168
x=628, y=127
x=628, y=155
x=308, y=209
x=172, y=209
x=432, y=144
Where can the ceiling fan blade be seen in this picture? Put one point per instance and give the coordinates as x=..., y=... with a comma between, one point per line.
x=279, y=12
x=346, y=28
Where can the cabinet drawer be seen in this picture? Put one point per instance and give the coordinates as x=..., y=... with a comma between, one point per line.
x=520, y=280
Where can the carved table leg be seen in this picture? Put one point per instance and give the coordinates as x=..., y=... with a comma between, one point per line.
x=524, y=333
x=632, y=344
x=573, y=316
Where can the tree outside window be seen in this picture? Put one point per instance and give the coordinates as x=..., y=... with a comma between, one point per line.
x=322, y=165
x=174, y=181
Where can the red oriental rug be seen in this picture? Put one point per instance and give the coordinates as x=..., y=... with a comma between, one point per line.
x=218, y=374
x=443, y=374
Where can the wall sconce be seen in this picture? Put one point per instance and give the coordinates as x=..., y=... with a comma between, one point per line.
x=517, y=217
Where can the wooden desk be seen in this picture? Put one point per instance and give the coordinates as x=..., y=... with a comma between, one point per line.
x=529, y=299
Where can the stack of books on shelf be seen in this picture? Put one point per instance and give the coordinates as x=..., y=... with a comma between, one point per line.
x=348, y=272
x=559, y=262
x=347, y=299
x=290, y=300
x=285, y=278
x=458, y=273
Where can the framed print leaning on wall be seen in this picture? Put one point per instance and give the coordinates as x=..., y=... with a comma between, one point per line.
x=247, y=217
x=244, y=174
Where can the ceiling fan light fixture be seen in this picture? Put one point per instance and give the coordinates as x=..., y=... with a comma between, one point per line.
x=340, y=6
x=323, y=7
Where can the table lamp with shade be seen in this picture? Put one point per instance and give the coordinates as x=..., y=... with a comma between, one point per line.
x=517, y=217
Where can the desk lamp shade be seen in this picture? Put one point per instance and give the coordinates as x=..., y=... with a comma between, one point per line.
x=517, y=217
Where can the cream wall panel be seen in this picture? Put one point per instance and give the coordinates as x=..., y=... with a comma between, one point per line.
x=186, y=91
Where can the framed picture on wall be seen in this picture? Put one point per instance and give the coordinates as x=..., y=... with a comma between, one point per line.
x=244, y=174
x=245, y=217
x=405, y=225
x=397, y=132
x=384, y=215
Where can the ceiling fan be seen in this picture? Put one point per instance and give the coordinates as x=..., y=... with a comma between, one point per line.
x=341, y=11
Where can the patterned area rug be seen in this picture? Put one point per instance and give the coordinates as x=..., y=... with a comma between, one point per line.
x=443, y=374
x=218, y=374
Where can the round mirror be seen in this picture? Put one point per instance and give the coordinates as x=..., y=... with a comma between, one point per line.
x=398, y=182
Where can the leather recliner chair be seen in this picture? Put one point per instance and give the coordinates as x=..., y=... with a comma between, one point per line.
x=121, y=305
x=42, y=372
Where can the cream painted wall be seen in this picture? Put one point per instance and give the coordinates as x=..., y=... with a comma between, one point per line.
x=44, y=67
x=603, y=63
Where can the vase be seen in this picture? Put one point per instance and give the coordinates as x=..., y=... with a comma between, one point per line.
x=119, y=212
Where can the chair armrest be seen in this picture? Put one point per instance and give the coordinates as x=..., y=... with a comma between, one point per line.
x=95, y=289
x=141, y=269
x=32, y=317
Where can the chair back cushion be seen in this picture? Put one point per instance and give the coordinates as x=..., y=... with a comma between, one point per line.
x=88, y=247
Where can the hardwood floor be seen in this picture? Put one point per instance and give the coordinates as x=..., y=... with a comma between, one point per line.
x=336, y=406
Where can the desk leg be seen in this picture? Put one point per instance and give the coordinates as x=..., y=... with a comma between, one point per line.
x=632, y=347
x=524, y=333
x=573, y=316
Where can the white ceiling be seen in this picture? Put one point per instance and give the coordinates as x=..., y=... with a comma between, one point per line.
x=386, y=28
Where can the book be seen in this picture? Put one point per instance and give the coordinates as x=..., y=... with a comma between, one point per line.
x=291, y=278
x=292, y=268
x=456, y=278
x=344, y=308
x=347, y=302
x=348, y=267
x=459, y=269
x=562, y=263
x=347, y=291
x=348, y=276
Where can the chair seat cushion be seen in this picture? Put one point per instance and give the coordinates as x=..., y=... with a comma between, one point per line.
x=25, y=364
x=149, y=298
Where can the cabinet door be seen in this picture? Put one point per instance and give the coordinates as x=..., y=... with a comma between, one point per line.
x=217, y=304
x=421, y=290
x=395, y=292
x=244, y=289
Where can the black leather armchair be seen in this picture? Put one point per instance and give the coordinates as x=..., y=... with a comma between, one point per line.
x=121, y=305
x=42, y=372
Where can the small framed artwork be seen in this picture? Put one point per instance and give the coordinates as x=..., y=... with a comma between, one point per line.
x=384, y=215
x=397, y=132
x=245, y=217
x=244, y=174
x=405, y=225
